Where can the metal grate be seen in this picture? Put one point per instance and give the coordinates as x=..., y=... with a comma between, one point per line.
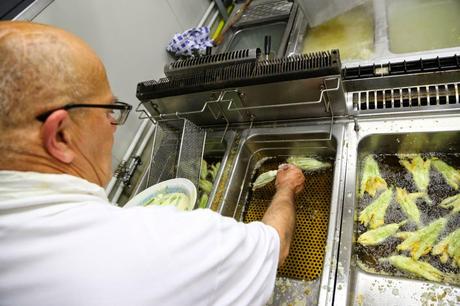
x=407, y=97
x=306, y=256
x=273, y=10
x=186, y=68
x=213, y=77
x=400, y=68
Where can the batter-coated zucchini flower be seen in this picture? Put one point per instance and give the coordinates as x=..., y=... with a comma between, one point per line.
x=371, y=181
x=450, y=174
x=420, y=171
x=420, y=242
x=415, y=267
x=377, y=236
x=374, y=214
x=449, y=247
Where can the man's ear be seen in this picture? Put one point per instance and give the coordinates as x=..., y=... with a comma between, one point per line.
x=56, y=136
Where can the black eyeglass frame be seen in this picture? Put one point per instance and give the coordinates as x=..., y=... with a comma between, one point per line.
x=124, y=107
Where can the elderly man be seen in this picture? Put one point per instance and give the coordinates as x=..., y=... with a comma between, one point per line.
x=62, y=243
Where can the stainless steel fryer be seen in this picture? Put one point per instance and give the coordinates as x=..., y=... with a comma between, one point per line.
x=306, y=105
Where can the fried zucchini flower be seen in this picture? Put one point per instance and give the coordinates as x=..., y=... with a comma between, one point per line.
x=420, y=242
x=203, y=201
x=205, y=186
x=377, y=236
x=415, y=267
x=371, y=181
x=307, y=163
x=214, y=170
x=374, y=214
x=407, y=202
x=449, y=247
x=304, y=163
x=450, y=174
x=264, y=179
x=452, y=202
x=204, y=169
x=420, y=171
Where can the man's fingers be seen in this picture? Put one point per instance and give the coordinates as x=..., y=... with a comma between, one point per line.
x=290, y=176
x=283, y=167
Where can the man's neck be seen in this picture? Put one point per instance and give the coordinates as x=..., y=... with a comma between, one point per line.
x=39, y=161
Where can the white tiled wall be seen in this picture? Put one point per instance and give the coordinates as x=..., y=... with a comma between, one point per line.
x=130, y=37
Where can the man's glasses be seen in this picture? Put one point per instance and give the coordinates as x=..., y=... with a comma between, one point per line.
x=118, y=115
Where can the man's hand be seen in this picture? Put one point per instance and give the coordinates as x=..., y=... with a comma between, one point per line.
x=281, y=213
x=289, y=177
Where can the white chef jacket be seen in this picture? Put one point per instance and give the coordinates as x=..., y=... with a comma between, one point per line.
x=63, y=243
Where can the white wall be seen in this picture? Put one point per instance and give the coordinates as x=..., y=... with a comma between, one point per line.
x=130, y=36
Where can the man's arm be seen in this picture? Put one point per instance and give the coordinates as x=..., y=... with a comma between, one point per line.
x=281, y=213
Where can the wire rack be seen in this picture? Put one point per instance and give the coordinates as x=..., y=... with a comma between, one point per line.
x=164, y=154
x=191, y=152
x=177, y=151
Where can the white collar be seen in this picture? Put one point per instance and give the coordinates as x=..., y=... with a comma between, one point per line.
x=15, y=185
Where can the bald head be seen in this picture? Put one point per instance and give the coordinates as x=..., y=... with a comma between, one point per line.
x=41, y=68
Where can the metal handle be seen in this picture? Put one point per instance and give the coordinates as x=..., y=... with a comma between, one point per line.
x=224, y=105
x=230, y=102
x=267, y=45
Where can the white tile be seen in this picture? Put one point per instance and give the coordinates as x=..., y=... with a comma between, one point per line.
x=188, y=12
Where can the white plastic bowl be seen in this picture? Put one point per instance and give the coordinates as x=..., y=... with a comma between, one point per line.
x=174, y=185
